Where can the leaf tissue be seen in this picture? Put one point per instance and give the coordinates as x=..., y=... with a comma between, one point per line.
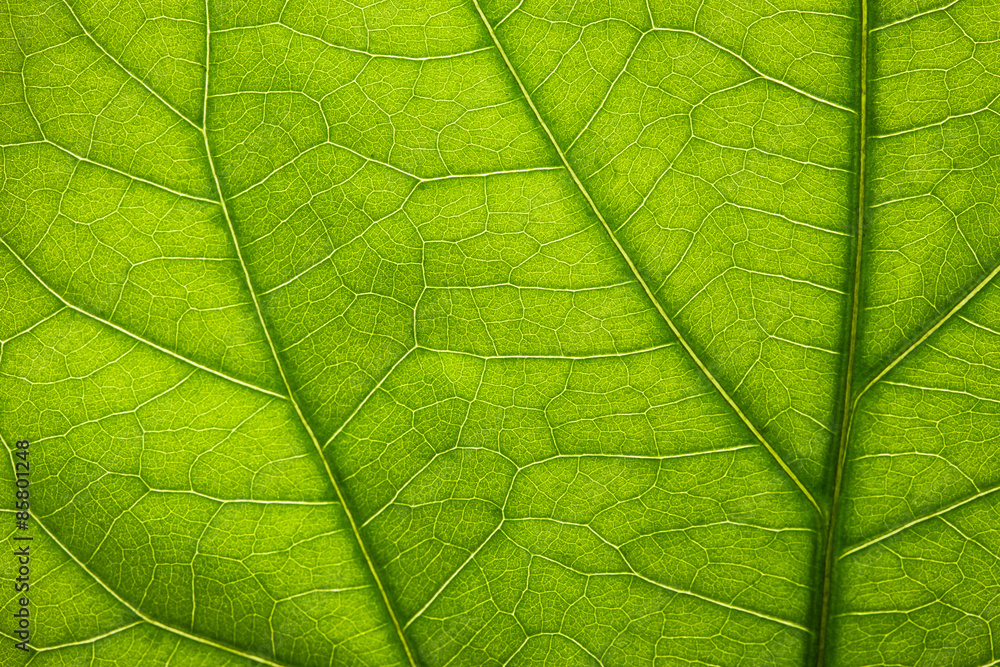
x=500, y=332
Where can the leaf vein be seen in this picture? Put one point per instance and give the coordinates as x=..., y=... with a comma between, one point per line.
x=638, y=276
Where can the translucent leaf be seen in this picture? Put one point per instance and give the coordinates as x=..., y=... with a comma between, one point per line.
x=475, y=332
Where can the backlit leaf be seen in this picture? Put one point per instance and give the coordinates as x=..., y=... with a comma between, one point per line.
x=496, y=332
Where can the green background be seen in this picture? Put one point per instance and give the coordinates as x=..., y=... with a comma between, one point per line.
x=503, y=333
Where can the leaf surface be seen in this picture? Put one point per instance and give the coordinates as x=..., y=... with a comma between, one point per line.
x=482, y=332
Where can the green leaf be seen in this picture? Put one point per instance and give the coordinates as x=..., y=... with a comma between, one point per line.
x=483, y=332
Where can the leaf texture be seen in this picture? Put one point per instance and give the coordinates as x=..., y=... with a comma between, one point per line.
x=503, y=332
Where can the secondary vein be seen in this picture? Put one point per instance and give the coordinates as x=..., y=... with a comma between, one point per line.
x=147, y=619
x=940, y=322
x=131, y=334
x=277, y=360
x=635, y=271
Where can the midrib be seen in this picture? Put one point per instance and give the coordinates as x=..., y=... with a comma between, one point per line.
x=851, y=398
x=847, y=402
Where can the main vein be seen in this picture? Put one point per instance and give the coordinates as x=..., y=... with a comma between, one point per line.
x=277, y=359
x=846, y=400
x=636, y=273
